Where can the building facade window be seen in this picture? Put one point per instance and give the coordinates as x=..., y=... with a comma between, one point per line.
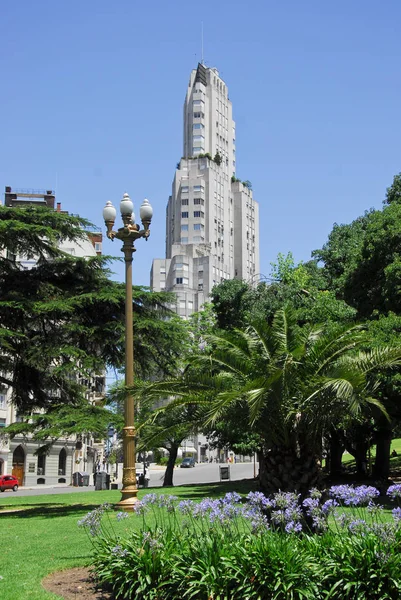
x=3, y=401
x=2, y=423
x=184, y=188
x=184, y=227
x=42, y=463
x=199, y=115
x=184, y=202
x=184, y=215
x=199, y=213
x=199, y=201
x=198, y=227
x=199, y=188
x=198, y=126
x=197, y=150
x=184, y=240
x=178, y=280
x=62, y=462
x=198, y=138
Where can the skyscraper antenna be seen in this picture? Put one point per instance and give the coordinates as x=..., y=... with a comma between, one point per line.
x=202, y=61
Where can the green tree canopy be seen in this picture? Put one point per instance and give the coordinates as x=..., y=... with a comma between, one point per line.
x=62, y=320
x=296, y=383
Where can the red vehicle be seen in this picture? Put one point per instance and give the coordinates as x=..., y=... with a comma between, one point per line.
x=8, y=482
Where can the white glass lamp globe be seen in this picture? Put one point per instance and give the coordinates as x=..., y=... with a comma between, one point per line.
x=146, y=211
x=127, y=207
x=109, y=212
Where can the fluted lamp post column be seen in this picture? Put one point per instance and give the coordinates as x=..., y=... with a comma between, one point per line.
x=128, y=234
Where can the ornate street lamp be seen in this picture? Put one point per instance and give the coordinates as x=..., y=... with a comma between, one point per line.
x=128, y=234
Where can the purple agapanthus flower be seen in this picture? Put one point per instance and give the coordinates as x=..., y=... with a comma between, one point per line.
x=357, y=526
x=120, y=516
x=260, y=500
x=231, y=497
x=286, y=499
x=186, y=507
x=354, y=496
x=293, y=527
x=397, y=514
x=92, y=521
x=394, y=491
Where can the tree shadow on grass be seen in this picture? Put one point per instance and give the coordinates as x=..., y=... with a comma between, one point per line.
x=49, y=511
x=190, y=492
x=213, y=490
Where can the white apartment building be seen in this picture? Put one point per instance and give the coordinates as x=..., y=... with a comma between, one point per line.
x=22, y=456
x=212, y=219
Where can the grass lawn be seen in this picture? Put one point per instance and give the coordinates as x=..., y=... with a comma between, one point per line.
x=42, y=535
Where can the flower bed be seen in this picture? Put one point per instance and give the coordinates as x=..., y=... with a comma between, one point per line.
x=341, y=546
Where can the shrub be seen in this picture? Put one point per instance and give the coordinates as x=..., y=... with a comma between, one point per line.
x=255, y=548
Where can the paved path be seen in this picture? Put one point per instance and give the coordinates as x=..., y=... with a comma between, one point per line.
x=202, y=473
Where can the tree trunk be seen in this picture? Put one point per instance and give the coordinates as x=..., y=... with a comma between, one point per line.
x=361, y=457
x=336, y=451
x=172, y=457
x=381, y=469
x=283, y=469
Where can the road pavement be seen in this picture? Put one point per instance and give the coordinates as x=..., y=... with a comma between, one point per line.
x=201, y=473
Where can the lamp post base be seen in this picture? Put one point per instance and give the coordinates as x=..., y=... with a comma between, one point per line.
x=128, y=500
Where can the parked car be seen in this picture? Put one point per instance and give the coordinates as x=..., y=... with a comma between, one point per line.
x=187, y=463
x=8, y=482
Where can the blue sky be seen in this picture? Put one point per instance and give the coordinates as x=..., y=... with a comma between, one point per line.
x=92, y=94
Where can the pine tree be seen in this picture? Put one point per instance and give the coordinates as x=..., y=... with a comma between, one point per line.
x=62, y=322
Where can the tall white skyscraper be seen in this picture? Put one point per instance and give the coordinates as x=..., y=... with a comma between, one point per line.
x=212, y=220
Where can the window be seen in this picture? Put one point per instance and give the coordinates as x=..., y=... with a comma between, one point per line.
x=42, y=462
x=199, y=138
x=184, y=215
x=62, y=462
x=184, y=202
x=198, y=126
x=199, y=188
x=199, y=201
x=3, y=404
x=199, y=213
x=197, y=150
x=198, y=227
x=184, y=240
x=198, y=102
x=178, y=280
x=199, y=115
x=184, y=227
x=179, y=266
x=2, y=423
x=184, y=188
x=98, y=247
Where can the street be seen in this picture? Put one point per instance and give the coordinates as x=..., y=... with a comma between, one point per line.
x=201, y=473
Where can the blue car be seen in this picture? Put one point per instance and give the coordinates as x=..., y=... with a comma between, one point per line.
x=187, y=463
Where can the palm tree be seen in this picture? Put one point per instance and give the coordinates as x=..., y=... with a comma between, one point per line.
x=295, y=383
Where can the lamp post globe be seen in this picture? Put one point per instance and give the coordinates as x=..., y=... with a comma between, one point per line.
x=109, y=212
x=146, y=211
x=127, y=208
